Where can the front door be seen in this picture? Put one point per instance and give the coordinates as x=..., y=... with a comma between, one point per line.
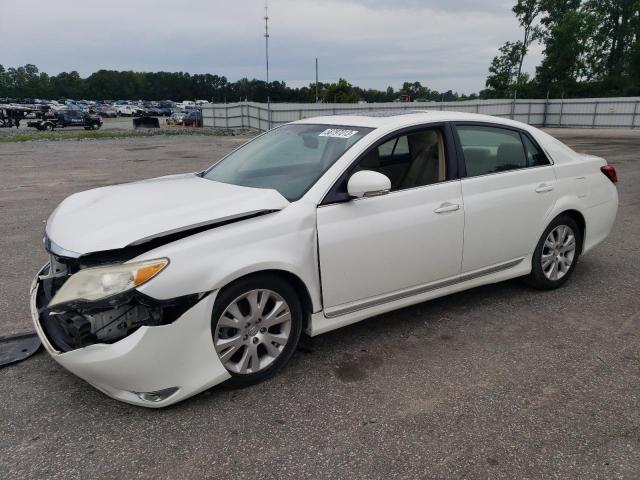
x=372, y=247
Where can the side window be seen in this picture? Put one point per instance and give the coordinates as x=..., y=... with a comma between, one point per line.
x=491, y=149
x=535, y=158
x=410, y=161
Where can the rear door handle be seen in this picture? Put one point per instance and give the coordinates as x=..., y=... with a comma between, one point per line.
x=544, y=188
x=447, y=208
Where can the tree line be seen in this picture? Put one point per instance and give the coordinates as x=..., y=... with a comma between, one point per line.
x=28, y=82
x=591, y=48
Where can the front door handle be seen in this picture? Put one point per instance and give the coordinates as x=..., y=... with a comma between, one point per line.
x=544, y=188
x=447, y=208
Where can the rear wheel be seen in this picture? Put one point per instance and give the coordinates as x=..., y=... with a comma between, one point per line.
x=556, y=254
x=256, y=325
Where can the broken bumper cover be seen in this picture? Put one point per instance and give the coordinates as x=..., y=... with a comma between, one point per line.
x=178, y=358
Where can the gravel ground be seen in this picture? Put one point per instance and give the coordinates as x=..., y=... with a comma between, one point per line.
x=497, y=382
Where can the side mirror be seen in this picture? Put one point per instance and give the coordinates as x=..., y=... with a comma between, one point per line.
x=367, y=183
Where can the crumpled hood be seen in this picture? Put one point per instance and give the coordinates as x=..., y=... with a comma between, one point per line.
x=114, y=217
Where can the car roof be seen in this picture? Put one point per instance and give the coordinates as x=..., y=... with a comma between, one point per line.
x=391, y=119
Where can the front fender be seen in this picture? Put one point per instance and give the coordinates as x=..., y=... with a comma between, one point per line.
x=284, y=240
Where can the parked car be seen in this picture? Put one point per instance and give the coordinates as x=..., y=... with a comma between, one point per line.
x=160, y=289
x=67, y=118
x=176, y=118
x=166, y=104
x=125, y=110
x=193, y=118
x=152, y=111
x=105, y=111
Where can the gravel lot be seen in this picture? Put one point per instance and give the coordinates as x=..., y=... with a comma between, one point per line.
x=498, y=382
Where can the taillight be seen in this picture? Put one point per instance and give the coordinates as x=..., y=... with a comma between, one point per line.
x=610, y=172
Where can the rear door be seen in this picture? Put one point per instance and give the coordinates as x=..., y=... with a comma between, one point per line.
x=508, y=193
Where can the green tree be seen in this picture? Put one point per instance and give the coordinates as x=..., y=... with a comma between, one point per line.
x=415, y=90
x=527, y=12
x=563, y=28
x=612, y=32
x=340, y=92
x=503, y=71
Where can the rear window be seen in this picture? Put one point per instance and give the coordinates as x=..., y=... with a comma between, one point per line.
x=490, y=150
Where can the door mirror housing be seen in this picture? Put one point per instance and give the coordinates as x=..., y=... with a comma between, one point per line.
x=367, y=183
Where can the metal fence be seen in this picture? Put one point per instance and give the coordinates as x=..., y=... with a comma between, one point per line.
x=581, y=113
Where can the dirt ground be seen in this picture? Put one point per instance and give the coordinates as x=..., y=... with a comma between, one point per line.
x=497, y=382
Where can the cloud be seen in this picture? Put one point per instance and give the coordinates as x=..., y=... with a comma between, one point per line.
x=373, y=43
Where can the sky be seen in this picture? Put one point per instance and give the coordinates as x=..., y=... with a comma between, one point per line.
x=372, y=43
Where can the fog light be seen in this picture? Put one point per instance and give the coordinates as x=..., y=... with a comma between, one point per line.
x=157, y=396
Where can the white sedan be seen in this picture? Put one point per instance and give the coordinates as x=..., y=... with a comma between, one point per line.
x=157, y=290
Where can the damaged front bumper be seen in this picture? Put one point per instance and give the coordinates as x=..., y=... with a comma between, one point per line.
x=154, y=366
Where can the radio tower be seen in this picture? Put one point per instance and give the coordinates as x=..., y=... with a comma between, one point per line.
x=266, y=35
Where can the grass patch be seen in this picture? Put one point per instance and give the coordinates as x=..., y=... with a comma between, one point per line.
x=105, y=134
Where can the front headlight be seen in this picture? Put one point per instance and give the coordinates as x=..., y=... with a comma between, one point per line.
x=101, y=282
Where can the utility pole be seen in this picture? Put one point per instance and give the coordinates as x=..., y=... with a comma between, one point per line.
x=317, y=98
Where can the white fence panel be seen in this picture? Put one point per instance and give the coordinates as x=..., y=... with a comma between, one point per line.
x=591, y=113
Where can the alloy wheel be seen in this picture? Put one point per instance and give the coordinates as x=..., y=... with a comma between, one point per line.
x=558, y=252
x=252, y=331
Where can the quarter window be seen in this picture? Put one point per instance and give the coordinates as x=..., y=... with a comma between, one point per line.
x=491, y=150
x=535, y=157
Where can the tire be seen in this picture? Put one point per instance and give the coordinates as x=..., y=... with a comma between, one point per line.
x=253, y=343
x=561, y=252
x=48, y=126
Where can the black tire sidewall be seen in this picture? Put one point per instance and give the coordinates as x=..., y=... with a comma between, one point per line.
x=286, y=291
x=537, y=278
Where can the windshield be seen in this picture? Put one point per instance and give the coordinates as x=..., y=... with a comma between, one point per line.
x=289, y=159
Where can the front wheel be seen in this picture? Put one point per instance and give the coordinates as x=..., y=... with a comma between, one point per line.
x=256, y=325
x=556, y=254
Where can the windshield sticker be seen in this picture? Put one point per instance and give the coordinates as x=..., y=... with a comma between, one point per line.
x=338, y=133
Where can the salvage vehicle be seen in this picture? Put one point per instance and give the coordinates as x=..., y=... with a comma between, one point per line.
x=159, y=289
x=67, y=118
x=10, y=115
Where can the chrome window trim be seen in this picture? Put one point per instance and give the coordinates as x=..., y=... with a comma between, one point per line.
x=513, y=170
